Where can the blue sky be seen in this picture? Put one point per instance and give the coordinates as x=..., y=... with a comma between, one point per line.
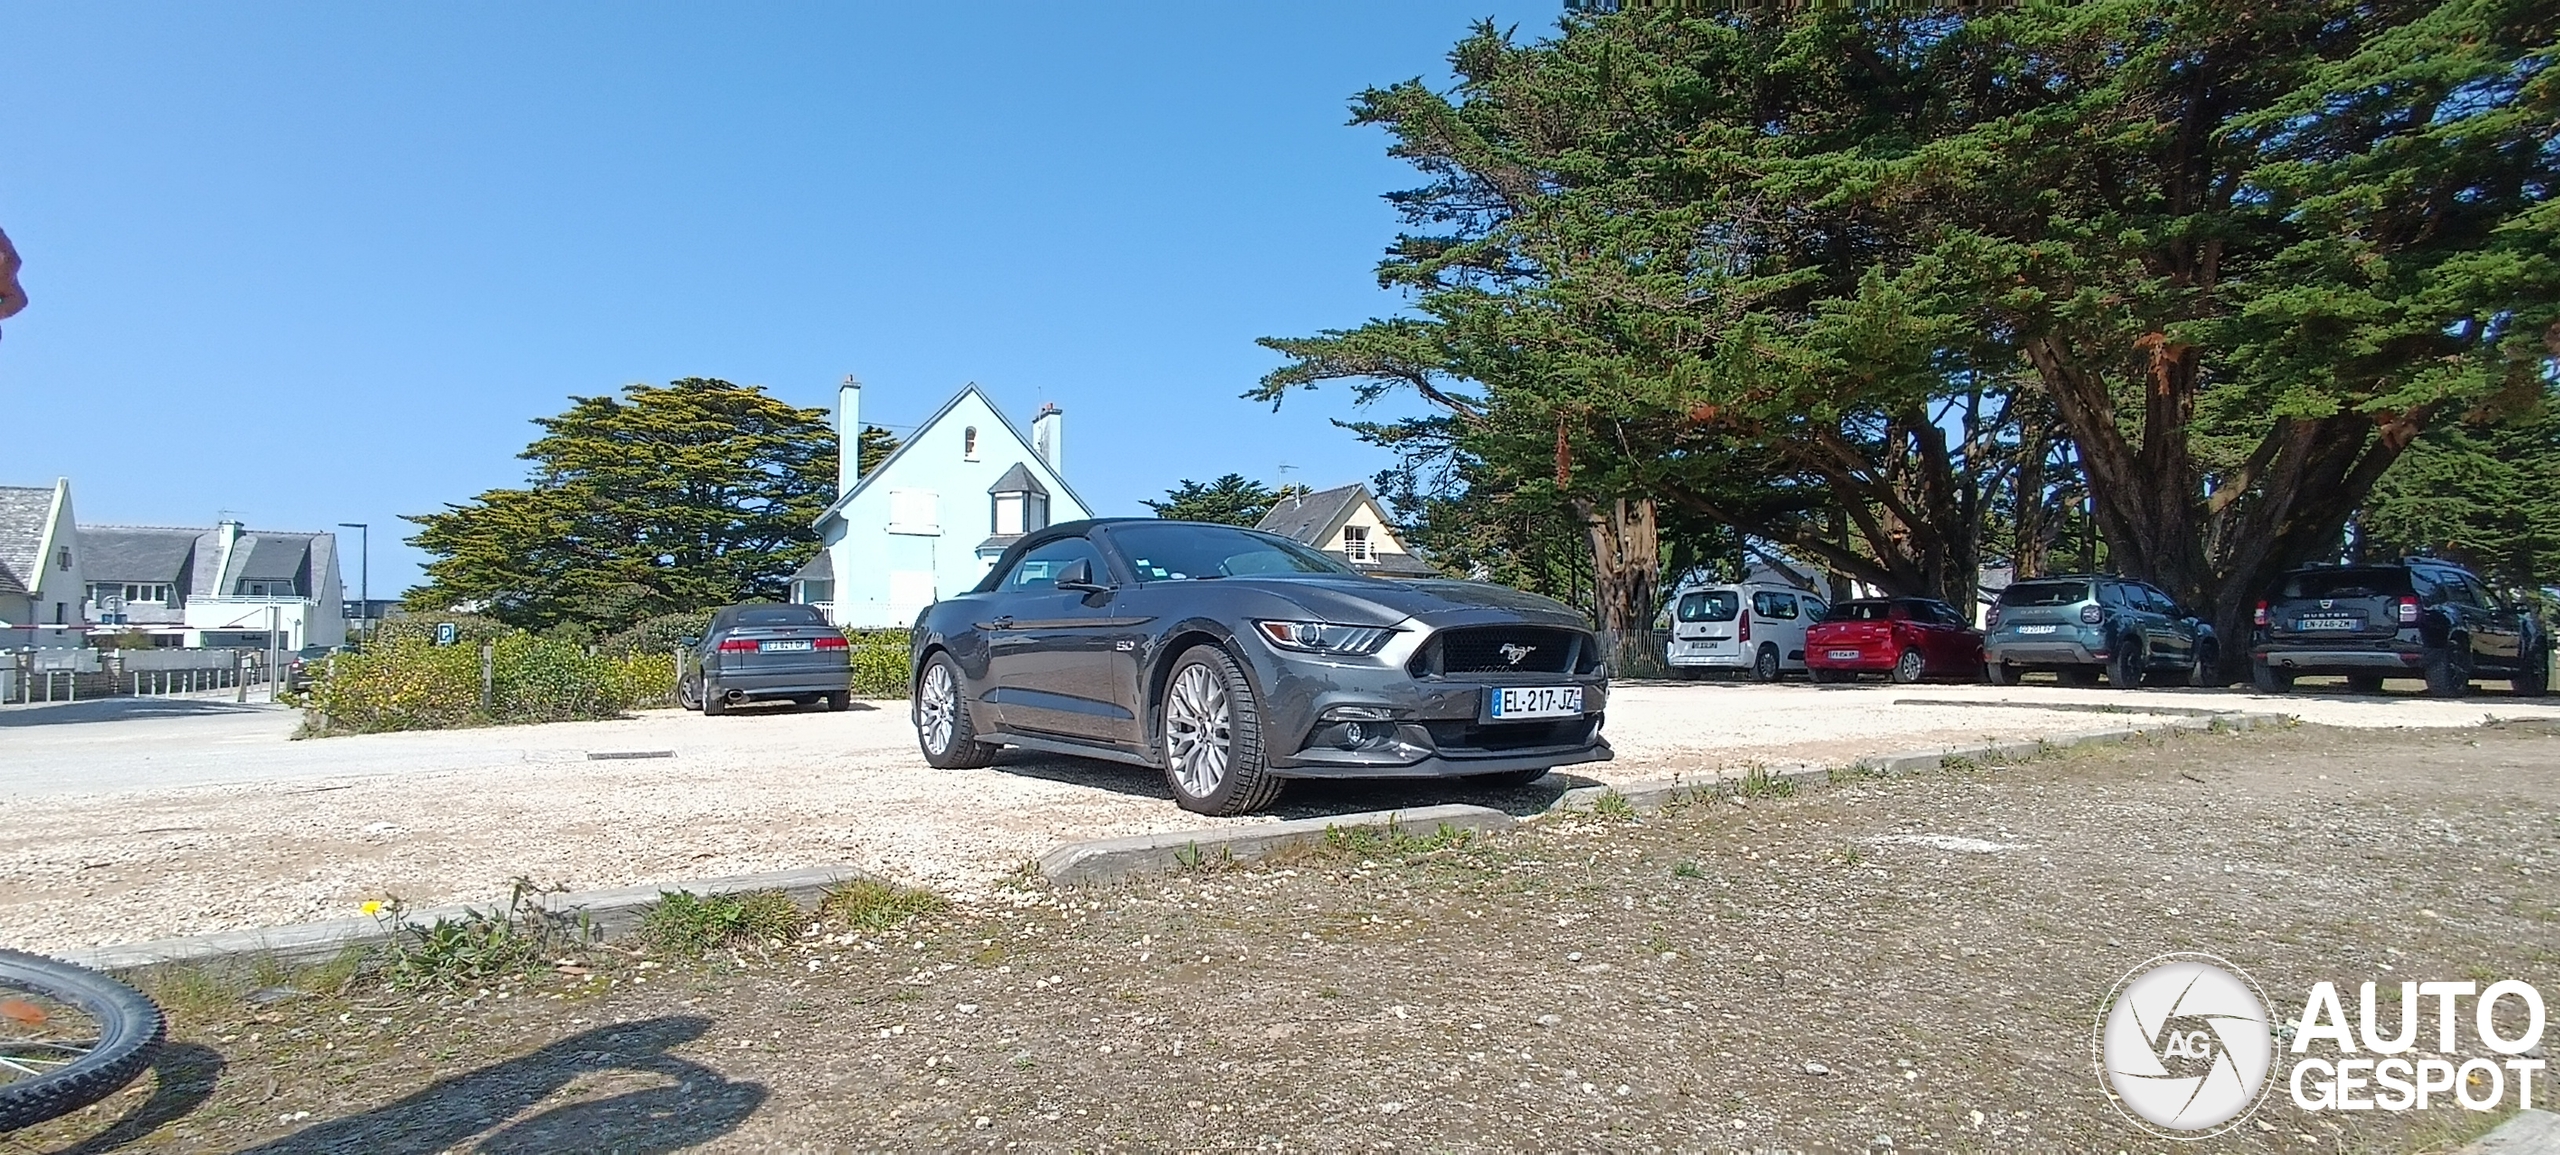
x=321, y=263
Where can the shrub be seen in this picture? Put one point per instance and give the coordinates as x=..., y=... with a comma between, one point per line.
x=407, y=682
x=662, y=634
x=880, y=663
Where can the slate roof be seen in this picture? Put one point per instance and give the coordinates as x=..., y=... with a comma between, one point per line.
x=820, y=567
x=269, y=557
x=134, y=553
x=24, y=512
x=1018, y=480
x=874, y=473
x=1311, y=518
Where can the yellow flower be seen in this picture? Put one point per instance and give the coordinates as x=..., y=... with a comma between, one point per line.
x=372, y=906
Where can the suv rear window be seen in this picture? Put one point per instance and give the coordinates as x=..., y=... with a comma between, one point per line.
x=781, y=616
x=2361, y=582
x=2045, y=594
x=1709, y=606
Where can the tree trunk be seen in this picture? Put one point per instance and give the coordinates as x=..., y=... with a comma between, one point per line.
x=1626, y=576
x=2027, y=556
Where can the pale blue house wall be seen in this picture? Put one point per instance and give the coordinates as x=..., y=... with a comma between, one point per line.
x=882, y=579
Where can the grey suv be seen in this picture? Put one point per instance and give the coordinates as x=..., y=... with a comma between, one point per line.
x=2416, y=618
x=2084, y=626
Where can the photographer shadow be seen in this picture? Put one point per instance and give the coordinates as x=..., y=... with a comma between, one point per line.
x=695, y=1105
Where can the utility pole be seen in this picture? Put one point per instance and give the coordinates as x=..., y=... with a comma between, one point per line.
x=364, y=580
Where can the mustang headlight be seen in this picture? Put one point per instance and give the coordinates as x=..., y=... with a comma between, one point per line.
x=1325, y=637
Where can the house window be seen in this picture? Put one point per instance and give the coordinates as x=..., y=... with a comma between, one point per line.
x=969, y=443
x=814, y=592
x=1355, y=544
x=1007, y=519
x=62, y=558
x=268, y=589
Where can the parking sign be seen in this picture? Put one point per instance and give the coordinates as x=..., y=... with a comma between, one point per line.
x=447, y=633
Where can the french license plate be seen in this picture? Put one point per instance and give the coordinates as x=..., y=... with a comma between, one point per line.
x=2327, y=623
x=2037, y=629
x=786, y=647
x=1537, y=702
x=1842, y=655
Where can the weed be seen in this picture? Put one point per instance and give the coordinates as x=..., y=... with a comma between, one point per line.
x=1024, y=876
x=481, y=945
x=1858, y=771
x=1758, y=782
x=687, y=925
x=1961, y=764
x=1611, y=804
x=877, y=906
x=1688, y=869
x=1393, y=840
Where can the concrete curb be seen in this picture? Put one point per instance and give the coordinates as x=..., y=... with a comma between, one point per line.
x=1118, y=859
x=610, y=913
x=1110, y=860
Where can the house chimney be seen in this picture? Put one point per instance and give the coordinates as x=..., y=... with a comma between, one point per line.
x=1045, y=437
x=848, y=435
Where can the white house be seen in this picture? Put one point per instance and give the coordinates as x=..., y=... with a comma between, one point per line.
x=1346, y=522
x=933, y=517
x=40, y=574
x=218, y=589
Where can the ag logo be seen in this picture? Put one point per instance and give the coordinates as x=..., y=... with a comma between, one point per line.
x=2183, y=1043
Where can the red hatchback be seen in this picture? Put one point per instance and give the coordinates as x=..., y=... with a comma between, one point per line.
x=1906, y=639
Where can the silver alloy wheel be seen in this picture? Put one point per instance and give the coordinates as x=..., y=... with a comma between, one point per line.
x=1198, y=725
x=937, y=709
x=1910, y=666
x=689, y=694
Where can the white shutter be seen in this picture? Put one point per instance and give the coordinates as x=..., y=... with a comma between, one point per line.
x=915, y=511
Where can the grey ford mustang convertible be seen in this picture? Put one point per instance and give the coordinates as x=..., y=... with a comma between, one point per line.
x=1234, y=660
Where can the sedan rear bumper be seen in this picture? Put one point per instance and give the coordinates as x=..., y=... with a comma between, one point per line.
x=2042, y=653
x=785, y=682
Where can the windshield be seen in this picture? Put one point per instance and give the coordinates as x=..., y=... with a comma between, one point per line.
x=1709, y=606
x=1859, y=612
x=1175, y=551
x=2366, y=582
x=2045, y=594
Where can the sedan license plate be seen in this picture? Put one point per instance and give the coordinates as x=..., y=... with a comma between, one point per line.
x=786, y=647
x=2327, y=624
x=1842, y=655
x=1536, y=702
x=2037, y=629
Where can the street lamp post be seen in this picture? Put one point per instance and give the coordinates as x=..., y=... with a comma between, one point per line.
x=364, y=579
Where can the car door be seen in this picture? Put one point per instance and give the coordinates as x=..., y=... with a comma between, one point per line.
x=1959, y=649
x=1054, y=664
x=1786, y=626
x=2170, y=639
x=2497, y=633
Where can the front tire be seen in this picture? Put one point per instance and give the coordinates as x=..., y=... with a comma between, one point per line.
x=689, y=693
x=1212, y=737
x=2267, y=679
x=944, y=730
x=1764, y=668
x=714, y=703
x=2533, y=679
x=75, y=1071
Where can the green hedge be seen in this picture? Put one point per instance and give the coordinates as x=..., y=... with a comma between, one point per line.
x=407, y=682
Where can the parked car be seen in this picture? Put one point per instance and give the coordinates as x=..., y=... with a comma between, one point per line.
x=762, y=652
x=1905, y=639
x=299, y=669
x=1234, y=661
x=2084, y=626
x=2419, y=618
x=1753, y=626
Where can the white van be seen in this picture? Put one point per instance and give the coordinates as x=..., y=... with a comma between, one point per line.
x=1753, y=626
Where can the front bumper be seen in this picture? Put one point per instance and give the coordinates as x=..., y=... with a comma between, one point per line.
x=1428, y=727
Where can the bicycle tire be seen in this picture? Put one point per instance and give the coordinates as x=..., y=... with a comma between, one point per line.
x=130, y=1031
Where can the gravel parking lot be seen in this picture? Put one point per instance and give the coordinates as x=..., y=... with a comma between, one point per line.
x=128, y=822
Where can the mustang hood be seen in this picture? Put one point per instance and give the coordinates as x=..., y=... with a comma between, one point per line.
x=1380, y=602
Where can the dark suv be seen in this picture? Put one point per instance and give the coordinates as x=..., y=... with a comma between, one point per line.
x=2420, y=617
x=2082, y=625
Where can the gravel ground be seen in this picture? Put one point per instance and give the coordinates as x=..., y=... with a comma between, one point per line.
x=1906, y=964
x=271, y=831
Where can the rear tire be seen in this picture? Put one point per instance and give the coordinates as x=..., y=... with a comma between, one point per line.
x=1910, y=667
x=689, y=693
x=130, y=1029
x=944, y=730
x=2000, y=673
x=2365, y=683
x=2448, y=671
x=713, y=704
x=1212, y=737
x=2124, y=669
x=2267, y=679
x=840, y=701
x=1764, y=666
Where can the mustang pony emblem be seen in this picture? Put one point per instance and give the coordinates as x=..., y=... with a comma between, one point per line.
x=1513, y=652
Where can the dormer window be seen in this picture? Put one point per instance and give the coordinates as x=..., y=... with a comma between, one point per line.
x=969, y=444
x=1017, y=504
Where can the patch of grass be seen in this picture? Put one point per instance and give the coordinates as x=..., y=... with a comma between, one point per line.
x=1687, y=868
x=1393, y=840
x=875, y=906
x=1611, y=804
x=1759, y=782
x=481, y=945
x=687, y=925
x=1858, y=771
x=1961, y=764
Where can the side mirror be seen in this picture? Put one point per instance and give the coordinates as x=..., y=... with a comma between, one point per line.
x=1078, y=577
